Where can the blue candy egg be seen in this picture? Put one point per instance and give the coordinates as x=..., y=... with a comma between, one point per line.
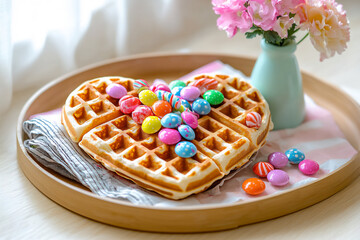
x=171, y=120
x=185, y=149
x=186, y=132
x=176, y=91
x=185, y=104
x=295, y=155
x=201, y=106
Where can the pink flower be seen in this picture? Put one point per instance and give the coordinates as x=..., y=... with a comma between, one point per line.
x=263, y=13
x=328, y=27
x=284, y=7
x=233, y=16
x=282, y=26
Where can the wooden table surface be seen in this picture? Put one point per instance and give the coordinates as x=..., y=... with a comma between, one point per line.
x=25, y=213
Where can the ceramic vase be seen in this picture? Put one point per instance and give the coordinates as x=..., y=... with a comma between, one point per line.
x=277, y=76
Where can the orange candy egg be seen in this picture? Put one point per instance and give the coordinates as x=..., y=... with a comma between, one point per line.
x=262, y=168
x=253, y=186
x=161, y=108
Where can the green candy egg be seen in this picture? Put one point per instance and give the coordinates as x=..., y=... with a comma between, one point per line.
x=213, y=97
x=177, y=83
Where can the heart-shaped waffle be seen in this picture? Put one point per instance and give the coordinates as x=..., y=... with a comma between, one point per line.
x=223, y=140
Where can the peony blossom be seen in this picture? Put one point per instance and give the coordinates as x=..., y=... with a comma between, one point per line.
x=328, y=27
x=263, y=13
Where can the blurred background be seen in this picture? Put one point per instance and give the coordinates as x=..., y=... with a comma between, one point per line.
x=43, y=39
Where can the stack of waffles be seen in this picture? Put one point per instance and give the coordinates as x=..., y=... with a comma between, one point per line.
x=224, y=142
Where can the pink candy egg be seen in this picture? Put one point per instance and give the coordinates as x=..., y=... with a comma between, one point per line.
x=169, y=136
x=253, y=120
x=308, y=167
x=190, y=93
x=278, y=159
x=159, y=86
x=190, y=119
x=262, y=169
x=205, y=84
x=115, y=90
x=128, y=104
x=140, y=113
x=278, y=177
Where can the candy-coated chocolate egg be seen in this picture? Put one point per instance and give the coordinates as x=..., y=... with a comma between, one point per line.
x=128, y=104
x=151, y=124
x=176, y=91
x=262, y=169
x=177, y=83
x=185, y=103
x=308, y=167
x=214, y=97
x=161, y=108
x=169, y=136
x=147, y=97
x=159, y=86
x=190, y=119
x=253, y=120
x=295, y=155
x=140, y=85
x=185, y=149
x=140, y=113
x=190, y=93
x=278, y=159
x=171, y=120
x=253, y=186
x=201, y=106
x=186, y=132
x=115, y=90
x=278, y=177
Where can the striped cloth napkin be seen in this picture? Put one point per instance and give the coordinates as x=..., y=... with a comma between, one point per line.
x=318, y=137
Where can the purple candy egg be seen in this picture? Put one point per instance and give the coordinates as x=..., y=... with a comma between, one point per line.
x=278, y=177
x=169, y=136
x=278, y=159
x=308, y=167
x=115, y=90
x=190, y=93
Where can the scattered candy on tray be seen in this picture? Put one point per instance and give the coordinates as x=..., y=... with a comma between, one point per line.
x=116, y=91
x=128, y=104
x=214, y=97
x=186, y=132
x=278, y=159
x=190, y=119
x=253, y=120
x=278, y=177
x=308, y=167
x=262, y=169
x=177, y=83
x=151, y=124
x=201, y=106
x=205, y=84
x=253, y=186
x=190, y=93
x=147, y=97
x=140, y=113
x=295, y=155
x=140, y=85
x=171, y=120
x=169, y=136
x=185, y=149
x=161, y=108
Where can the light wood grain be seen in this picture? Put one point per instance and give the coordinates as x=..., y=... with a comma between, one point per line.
x=186, y=219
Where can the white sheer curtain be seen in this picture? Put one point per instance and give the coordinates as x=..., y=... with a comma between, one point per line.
x=43, y=39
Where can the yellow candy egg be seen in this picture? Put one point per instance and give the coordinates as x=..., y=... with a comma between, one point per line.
x=147, y=97
x=151, y=124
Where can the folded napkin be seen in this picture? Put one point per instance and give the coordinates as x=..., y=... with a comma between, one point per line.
x=318, y=137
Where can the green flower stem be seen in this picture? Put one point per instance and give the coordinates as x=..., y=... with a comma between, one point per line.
x=302, y=39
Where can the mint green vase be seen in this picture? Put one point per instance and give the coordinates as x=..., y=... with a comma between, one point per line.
x=277, y=76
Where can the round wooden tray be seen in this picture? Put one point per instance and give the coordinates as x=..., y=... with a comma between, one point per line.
x=184, y=219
